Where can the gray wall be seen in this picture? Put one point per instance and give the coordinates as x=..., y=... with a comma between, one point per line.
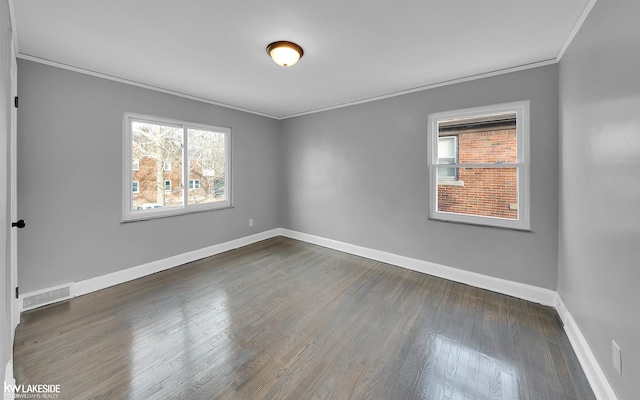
x=359, y=175
x=599, y=252
x=70, y=178
x=5, y=117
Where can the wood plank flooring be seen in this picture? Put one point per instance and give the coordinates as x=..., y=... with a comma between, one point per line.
x=286, y=319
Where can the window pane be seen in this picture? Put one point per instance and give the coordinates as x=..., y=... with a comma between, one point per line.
x=484, y=139
x=447, y=173
x=155, y=147
x=489, y=192
x=446, y=150
x=207, y=166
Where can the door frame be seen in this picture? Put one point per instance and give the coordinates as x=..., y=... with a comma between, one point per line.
x=15, y=309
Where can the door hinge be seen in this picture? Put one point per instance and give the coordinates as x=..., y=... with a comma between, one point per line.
x=15, y=101
x=17, y=293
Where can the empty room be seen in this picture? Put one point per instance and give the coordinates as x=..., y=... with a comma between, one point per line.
x=320, y=200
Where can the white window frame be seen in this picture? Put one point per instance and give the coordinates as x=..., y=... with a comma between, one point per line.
x=135, y=165
x=165, y=185
x=192, y=184
x=521, y=109
x=137, y=186
x=137, y=215
x=166, y=166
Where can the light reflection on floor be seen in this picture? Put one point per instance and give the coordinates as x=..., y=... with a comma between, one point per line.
x=456, y=371
x=163, y=330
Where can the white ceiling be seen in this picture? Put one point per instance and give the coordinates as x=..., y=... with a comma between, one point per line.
x=354, y=50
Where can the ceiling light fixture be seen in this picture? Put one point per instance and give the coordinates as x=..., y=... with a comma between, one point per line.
x=285, y=53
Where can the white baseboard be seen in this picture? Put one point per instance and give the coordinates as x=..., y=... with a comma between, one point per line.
x=115, y=278
x=126, y=275
x=520, y=290
x=598, y=381
x=8, y=375
x=592, y=370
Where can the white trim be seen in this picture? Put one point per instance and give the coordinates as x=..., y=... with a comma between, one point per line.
x=115, y=278
x=576, y=28
x=279, y=118
x=521, y=110
x=595, y=375
x=14, y=26
x=13, y=200
x=128, y=213
x=547, y=297
x=523, y=291
x=520, y=290
x=574, y=32
x=427, y=87
x=138, y=84
x=9, y=380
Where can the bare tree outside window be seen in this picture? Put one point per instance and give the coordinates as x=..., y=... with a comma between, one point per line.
x=177, y=167
x=155, y=147
x=207, y=163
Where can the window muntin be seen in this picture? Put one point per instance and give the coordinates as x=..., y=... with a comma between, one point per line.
x=491, y=165
x=158, y=148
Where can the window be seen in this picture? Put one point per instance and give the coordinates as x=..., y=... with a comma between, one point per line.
x=161, y=155
x=478, y=165
x=448, y=154
x=194, y=184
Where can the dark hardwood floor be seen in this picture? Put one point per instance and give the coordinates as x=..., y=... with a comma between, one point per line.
x=286, y=319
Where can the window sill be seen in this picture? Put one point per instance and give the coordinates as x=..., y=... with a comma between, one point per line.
x=450, y=183
x=152, y=216
x=489, y=222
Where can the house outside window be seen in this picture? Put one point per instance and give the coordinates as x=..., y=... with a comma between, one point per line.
x=160, y=154
x=194, y=184
x=478, y=162
x=448, y=154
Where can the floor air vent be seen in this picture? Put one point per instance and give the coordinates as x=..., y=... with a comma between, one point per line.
x=53, y=295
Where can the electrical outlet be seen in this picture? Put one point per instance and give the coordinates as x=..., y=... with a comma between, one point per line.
x=616, y=356
x=251, y=222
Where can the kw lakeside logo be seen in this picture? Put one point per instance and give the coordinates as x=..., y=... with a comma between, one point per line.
x=31, y=391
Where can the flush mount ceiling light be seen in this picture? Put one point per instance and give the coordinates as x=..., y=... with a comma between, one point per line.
x=285, y=53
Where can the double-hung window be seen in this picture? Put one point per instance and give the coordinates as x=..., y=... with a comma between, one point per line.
x=479, y=165
x=163, y=160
